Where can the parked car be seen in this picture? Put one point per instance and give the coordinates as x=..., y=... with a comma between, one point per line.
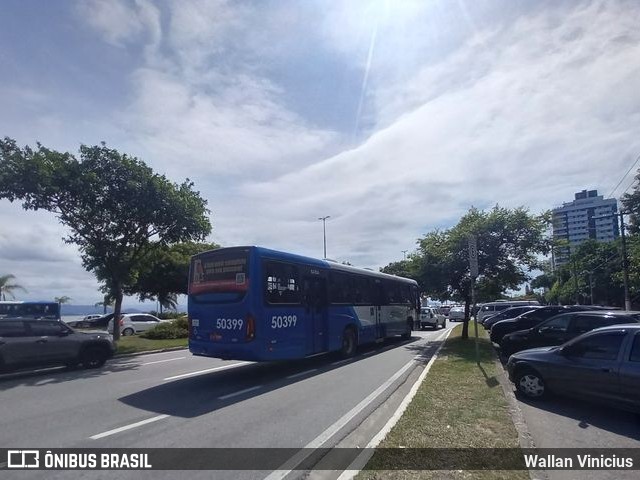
x=96, y=322
x=431, y=317
x=530, y=319
x=456, y=314
x=491, y=308
x=562, y=328
x=602, y=365
x=131, y=323
x=28, y=343
x=512, y=312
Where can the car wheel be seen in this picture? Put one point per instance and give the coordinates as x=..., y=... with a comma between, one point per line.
x=94, y=357
x=127, y=331
x=531, y=384
x=348, y=348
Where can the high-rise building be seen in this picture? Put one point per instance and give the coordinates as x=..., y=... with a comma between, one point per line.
x=588, y=216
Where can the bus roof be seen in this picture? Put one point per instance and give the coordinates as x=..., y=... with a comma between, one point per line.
x=19, y=302
x=279, y=255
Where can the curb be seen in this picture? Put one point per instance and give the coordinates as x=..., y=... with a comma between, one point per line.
x=525, y=439
x=148, y=352
x=361, y=461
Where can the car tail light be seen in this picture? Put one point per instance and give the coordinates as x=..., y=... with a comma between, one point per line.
x=251, y=327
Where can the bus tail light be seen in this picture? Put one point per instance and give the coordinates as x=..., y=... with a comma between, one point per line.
x=251, y=327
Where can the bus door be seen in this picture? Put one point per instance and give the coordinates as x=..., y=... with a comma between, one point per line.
x=380, y=302
x=315, y=305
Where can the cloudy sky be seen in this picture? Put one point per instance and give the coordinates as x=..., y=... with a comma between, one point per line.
x=392, y=117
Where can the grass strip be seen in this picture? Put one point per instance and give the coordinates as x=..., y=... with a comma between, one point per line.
x=459, y=405
x=135, y=343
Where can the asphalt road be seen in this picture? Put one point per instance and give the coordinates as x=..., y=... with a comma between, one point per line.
x=173, y=399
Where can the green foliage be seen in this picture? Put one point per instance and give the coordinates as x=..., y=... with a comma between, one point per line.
x=509, y=242
x=62, y=299
x=112, y=204
x=402, y=268
x=7, y=286
x=178, y=328
x=164, y=272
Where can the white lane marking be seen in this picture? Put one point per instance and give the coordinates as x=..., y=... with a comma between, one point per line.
x=300, y=374
x=127, y=427
x=162, y=361
x=341, y=361
x=361, y=460
x=200, y=372
x=235, y=394
x=287, y=467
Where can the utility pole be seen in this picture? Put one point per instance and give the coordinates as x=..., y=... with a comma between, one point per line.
x=625, y=264
x=324, y=233
x=404, y=254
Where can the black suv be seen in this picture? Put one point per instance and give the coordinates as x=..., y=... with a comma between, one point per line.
x=562, y=328
x=29, y=343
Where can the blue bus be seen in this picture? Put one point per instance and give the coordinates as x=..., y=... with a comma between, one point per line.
x=29, y=310
x=252, y=303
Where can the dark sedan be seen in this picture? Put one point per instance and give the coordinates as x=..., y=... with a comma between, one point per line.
x=562, y=328
x=512, y=312
x=530, y=319
x=601, y=365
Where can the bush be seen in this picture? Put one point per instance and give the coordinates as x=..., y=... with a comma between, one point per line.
x=178, y=328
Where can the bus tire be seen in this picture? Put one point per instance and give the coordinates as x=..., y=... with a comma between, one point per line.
x=407, y=334
x=349, y=343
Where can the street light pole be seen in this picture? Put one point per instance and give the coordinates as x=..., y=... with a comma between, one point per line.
x=404, y=254
x=324, y=233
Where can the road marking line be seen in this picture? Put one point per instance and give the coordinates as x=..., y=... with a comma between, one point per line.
x=290, y=464
x=300, y=374
x=200, y=372
x=235, y=394
x=128, y=427
x=341, y=361
x=361, y=460
x=162, y=361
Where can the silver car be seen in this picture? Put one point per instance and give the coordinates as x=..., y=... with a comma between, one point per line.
x=26, y=343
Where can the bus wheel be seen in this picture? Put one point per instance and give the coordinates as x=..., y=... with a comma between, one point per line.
x=407, y=334
x=348, y=343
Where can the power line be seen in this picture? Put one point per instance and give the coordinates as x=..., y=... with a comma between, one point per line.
x=625, y=176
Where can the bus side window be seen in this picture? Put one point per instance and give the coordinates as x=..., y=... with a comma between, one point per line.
x=282, y=283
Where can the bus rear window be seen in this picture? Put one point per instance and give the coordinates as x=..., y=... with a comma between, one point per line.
x=220, y=272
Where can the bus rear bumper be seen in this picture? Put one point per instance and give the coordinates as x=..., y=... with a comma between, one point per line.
x=251, y=351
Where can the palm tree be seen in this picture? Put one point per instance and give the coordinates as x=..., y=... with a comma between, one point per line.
x=106, y=302
x=62, y=299
x=7, y=287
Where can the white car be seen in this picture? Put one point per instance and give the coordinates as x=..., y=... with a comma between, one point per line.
x=456, y=314
x=431, y=317
x=131, y=323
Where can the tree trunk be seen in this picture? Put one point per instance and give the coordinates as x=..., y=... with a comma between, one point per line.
x=465, y=324
x=116, y=313
x=160, y=303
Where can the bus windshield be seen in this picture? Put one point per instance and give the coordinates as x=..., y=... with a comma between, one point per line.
x=41, y=310
x=219, y=276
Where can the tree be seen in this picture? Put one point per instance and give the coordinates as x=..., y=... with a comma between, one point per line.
x=509, y=242
x=61, y=300
x=164, y=273
x=7, y=287
x=114, y=205
x=106, y=302
x=401, y=269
